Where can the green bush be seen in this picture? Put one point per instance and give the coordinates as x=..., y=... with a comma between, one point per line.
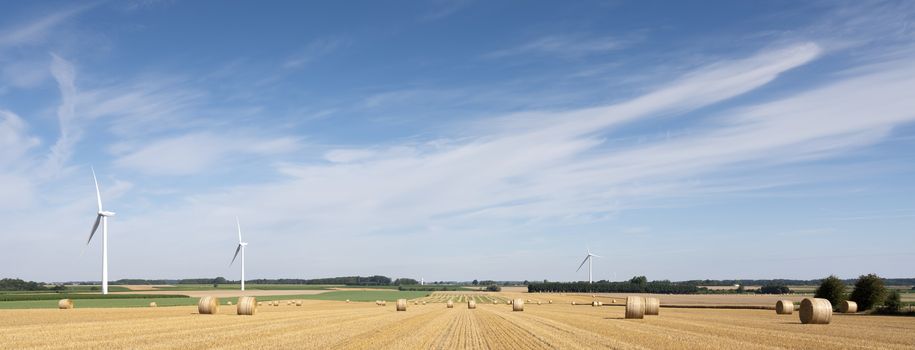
x=833, y=289
x=773, y=289
x=869, y=292
x=893, y=303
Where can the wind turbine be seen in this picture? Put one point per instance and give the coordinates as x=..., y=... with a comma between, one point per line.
x=588, y=260
x=241, y=248
x=103, y=219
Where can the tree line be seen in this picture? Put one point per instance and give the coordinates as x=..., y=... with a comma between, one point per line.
x=661, y=287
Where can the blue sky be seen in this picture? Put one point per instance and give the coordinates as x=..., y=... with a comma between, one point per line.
x=453, y=140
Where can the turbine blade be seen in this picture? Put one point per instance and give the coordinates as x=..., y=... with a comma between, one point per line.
x=237, y=224
x=98, y=194
x=596, y=256
x=583, y=263
x=236, y=254
x=98, y=219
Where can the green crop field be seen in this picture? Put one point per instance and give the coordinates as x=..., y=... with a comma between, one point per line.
x=250, y=287
x=75, y=296
x=40, y=301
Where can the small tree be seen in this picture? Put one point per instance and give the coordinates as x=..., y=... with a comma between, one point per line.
x=832, y=289
x=893, y=303
x=640, y=280
x=869, y=292
x=475, y=282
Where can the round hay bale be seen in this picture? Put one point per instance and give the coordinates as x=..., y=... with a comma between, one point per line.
x=595, y=303
x=259, y=303
x=450, y=304
x=549, y=301
x=652, y=306
x=424, y=302
x=573, y=303
x=208, y=305
x=384, y=302
x=471, y=304
x=848, y=307
x=613, y=301
x=538, y=302
x=247, y=306
x=784, y=307
x=229, y=302
x=494, y=302
x=635, y=307
x=401, y=304
x=65, y=304
x=815, y=311
x=298, y=303
x=276, y=303
x=153, y=304
x=518, y=305
x=347, y=301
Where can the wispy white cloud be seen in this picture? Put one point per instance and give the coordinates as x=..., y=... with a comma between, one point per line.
x=444, y=8
x=198, y=152
x=541, y=173
x=70, y=129
x=14, y=139
x=315, y=50
x=569, y=46
x=34, y=32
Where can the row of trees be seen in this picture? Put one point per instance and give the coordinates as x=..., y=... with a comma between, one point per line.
x=639, y=286
x=792, y=282
x=15, y=284
x=869, y=293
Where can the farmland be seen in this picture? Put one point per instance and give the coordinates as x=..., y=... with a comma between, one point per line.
x=340, y=325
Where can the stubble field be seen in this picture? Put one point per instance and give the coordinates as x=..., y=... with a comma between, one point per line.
x=340, y=325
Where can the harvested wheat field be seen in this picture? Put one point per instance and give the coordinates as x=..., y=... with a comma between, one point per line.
x=339, y=325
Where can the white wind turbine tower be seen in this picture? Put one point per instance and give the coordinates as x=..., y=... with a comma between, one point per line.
x=103, y=219
x=588, y=260
x=241, y=248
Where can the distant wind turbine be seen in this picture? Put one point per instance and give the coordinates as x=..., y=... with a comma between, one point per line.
x=241, y=248
x=102, y=218
x=588, y=260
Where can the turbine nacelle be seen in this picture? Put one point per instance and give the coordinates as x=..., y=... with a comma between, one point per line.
x=106, y=213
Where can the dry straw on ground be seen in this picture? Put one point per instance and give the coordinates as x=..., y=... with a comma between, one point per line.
x=358, y=326
x=518, y=305
x=784, y=307
x=815, y=311
x=65, y=304
x=652, y=306
x=208, y=305
x=635, y=307
x=247, y=306
x=848, y=307
x=401, y=304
